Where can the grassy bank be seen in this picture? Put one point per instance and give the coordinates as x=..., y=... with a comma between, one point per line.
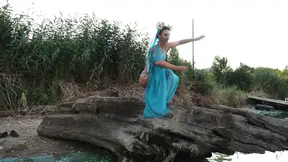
x=46, y=62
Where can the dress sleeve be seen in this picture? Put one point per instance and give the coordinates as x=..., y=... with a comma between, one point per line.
x=157, y=55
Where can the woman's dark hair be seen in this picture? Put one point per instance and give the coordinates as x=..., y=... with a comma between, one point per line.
x=164, y=28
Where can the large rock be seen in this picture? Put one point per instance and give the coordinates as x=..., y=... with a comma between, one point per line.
x=116, y=124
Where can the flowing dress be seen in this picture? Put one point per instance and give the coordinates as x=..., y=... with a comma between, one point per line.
x=161, y=86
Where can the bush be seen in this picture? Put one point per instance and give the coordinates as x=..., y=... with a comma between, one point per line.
x=175, y=59
x=230, y=96
x=270, y=81
x=200, y=81
x=80, y=49
x=35, y=59
x=220, y=69
x=241, y=77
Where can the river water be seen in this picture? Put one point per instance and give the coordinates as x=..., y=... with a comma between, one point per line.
x=83, y=156
x=239, y=157
x=68, y=157
x=281, y=156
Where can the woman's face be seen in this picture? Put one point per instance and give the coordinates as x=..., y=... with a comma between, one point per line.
x=164, y=36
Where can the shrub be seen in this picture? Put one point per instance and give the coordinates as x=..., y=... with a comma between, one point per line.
x=230, y=96
x=271, y=82
x=81, y=49
x=200, y=81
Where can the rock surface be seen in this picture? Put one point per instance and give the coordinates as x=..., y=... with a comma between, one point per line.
x=116, y=124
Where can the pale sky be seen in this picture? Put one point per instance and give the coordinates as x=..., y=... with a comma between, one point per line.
x=254, y=32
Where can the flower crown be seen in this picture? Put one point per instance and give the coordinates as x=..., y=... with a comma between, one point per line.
x=161, y=25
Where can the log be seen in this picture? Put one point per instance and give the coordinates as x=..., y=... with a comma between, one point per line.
x=116, y=123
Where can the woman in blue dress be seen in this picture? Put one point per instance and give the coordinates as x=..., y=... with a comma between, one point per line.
x=158, y=77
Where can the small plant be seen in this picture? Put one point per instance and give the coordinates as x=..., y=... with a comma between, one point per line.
x=222, y=158
x=230, y=96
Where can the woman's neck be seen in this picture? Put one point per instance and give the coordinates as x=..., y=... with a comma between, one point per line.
x=161, y=44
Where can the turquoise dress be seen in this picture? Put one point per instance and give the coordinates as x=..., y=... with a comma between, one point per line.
x=161, y=86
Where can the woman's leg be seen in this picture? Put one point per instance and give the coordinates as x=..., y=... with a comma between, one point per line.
x=172, y=84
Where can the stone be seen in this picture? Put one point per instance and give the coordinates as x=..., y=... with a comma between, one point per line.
x=115, y=123
x=19, y=147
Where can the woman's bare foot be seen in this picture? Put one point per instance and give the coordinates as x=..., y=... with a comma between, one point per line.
x=170, y=105
x=169, y=115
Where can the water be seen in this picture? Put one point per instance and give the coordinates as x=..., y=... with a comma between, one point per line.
x=68, y=157
x=275, y=113
x=90, y=157
x=239, y=157
x=281, y=156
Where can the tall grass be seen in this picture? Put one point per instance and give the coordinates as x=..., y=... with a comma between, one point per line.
x=230, y=96
x=40, y=55
x=37, y=58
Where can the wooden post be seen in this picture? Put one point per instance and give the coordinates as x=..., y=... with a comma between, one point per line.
x=193, y=44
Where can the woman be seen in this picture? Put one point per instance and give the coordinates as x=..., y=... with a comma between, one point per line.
x=158, y=78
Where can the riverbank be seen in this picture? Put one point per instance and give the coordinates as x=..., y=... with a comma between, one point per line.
x=29, y=143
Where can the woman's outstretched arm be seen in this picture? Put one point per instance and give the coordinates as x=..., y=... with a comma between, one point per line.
x=183, y=41
x=167, y=65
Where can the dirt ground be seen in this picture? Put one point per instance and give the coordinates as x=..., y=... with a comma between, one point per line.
x=29, y=143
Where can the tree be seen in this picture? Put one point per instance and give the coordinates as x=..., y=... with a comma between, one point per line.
x=174, y=57
x=241, y=77
x=220, y=69
x=285, y=72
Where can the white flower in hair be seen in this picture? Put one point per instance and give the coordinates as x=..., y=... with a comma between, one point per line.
x=160, y=25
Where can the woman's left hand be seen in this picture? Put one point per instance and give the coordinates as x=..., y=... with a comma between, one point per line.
x=199, y=38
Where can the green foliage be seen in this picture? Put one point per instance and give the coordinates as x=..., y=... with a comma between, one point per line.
x=285, y=72
x=201, y=81
x=35, y=57
x=66, y=48
x=220, y=69
x=222, y=158
x=175, y=59
x=271, y=81
x=241, y=77
x=229, y=96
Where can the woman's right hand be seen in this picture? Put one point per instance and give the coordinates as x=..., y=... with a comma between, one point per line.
x=182, y=68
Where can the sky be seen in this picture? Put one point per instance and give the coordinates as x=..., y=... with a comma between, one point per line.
x=253, y=32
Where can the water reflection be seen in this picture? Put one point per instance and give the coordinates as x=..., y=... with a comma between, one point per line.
x=281, y=156
x=239, y=157
x=217, y=157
